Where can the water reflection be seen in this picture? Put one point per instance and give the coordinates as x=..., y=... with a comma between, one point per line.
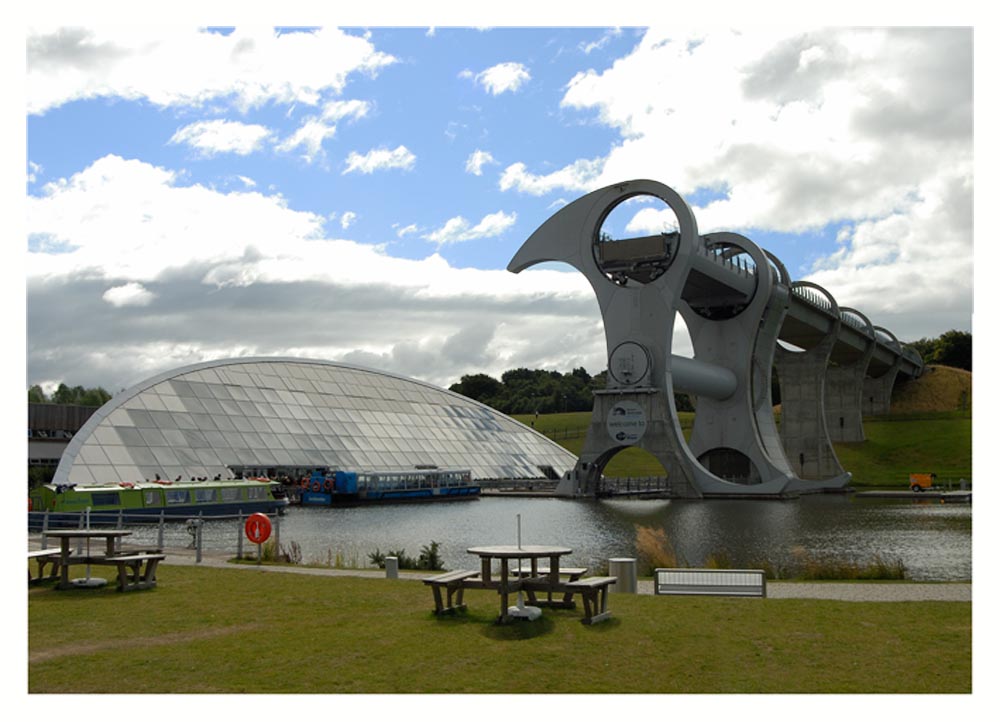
x=934, y=541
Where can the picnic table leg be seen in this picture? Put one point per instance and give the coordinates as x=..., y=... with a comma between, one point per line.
x=504, y=582
x=64, y=563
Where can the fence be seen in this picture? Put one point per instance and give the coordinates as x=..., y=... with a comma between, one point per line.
x=193, y=524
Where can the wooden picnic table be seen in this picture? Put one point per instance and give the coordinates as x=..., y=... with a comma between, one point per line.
x=131, y=574
x=512, y=580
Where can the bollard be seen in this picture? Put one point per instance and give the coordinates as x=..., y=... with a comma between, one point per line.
x=239, y=536
x=624, y=570
x=392, y=568
x=197, y=537
x=277, y=536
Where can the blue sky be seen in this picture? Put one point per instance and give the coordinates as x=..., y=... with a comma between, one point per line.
x=356, y=194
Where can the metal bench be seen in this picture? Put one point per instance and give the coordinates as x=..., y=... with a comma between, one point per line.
x=594, y=591
x=718, y=582
x=44, y=557
x=454, y=584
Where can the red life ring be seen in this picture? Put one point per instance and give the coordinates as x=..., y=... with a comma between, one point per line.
x=305, y=483
x=31, y=504
x=315, y=486
x=328, y=485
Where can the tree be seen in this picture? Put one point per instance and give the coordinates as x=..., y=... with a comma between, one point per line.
x=75, y=395
x=952, y=348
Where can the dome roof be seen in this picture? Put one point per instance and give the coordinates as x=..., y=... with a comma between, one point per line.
x=286, y=415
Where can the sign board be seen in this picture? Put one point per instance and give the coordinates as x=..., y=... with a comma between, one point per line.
x=626, y=422
x=257, y=528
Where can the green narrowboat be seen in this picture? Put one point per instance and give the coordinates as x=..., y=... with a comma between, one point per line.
x=65, y=504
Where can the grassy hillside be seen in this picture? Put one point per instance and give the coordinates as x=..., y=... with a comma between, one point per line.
x=929, y=430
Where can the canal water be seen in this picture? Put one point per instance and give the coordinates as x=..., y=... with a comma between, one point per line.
x=931, y=539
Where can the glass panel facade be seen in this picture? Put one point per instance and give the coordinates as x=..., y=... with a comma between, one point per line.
x=209, y=419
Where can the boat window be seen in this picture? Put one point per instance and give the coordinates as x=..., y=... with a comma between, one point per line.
x=230, y=493
x=105, y=498
x=204, y=495
x=257, y=492
x=176, y=496
x=152, y=497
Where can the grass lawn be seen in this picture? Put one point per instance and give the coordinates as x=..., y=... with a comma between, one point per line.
x=229, y=631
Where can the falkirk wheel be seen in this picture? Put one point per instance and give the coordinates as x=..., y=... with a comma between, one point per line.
x=737, y=301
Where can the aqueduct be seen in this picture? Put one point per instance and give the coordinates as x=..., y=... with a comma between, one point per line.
x=737, y=301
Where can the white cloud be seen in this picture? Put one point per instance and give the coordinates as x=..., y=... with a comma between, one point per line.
x=500, y=78
x=582, y=175
x=406, y=230
x=347, y=219
x=458, y=229
x=129, y=294
x=796, y=131
x=212, y=137
x=380, y=159
x=476, y=160
x=314, y=130
x=169, y=65
x=309, y=136
x=235, y=272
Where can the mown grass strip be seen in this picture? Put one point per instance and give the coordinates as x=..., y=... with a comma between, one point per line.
x=228, y=631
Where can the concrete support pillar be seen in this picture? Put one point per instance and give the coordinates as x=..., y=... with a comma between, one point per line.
x=844, y=389
x=801, y=378
x=877, y=393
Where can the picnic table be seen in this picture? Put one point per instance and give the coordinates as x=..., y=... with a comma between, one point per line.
x=512, y=580
x=136, y=570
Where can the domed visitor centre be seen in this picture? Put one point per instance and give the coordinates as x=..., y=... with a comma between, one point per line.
x=277, y=416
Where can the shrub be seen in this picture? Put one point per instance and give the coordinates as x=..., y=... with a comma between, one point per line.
x=653, y=550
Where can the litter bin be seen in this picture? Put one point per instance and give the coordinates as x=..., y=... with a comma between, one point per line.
x=391, y=568
x=624, y=570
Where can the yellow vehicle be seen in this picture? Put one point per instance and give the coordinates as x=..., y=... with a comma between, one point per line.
x=922, y=482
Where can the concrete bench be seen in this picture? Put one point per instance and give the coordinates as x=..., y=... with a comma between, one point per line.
x=44, y=557
x=718, y=582
x=454, y=584
x=135, y=570
x=594, y=591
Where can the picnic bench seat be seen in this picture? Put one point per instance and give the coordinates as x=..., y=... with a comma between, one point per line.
x=594, y=591
x=574, y=573
x=716, y=582
x=454, y=583
x=44, y=557
x=132, y=574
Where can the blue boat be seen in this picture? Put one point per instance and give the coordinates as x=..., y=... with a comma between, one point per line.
x=334, y=488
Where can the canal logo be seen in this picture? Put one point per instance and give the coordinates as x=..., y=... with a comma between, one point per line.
x=626, y=422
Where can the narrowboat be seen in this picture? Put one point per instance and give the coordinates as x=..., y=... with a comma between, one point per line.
x=334, y=488
x=145, y=501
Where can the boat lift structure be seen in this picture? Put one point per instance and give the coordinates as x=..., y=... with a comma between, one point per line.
x=737, y=301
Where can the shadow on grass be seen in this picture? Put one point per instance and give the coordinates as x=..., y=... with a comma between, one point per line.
x=520, y=629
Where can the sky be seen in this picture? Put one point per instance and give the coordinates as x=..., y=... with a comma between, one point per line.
x=354, y=194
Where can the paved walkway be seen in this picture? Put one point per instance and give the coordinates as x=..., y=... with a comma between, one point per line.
x=848, y=592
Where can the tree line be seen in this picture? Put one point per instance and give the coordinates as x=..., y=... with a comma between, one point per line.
x=527, y=391
x=952, y=348
x=75, y=395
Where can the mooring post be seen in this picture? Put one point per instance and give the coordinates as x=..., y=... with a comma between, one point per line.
x=197, y=536
x=239, y=535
